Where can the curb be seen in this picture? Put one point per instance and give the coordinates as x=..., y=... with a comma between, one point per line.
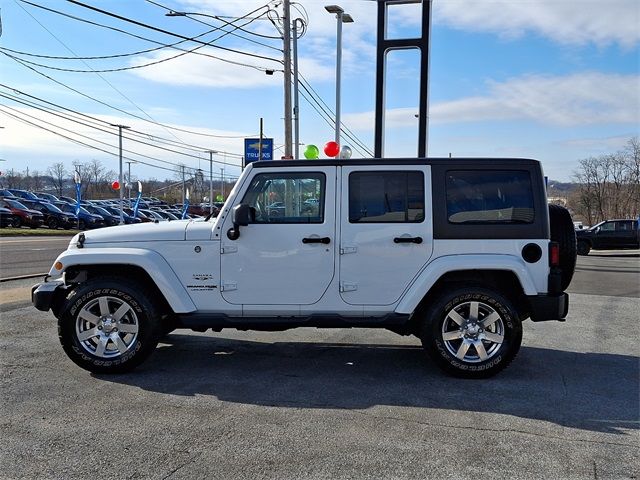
x=22, y=277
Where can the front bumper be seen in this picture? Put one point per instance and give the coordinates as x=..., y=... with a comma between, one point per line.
x=43, y=294
x=549, y=307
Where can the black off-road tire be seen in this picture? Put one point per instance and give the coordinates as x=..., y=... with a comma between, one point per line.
x=563, y=232
x=438, y=320
x=583, y=247
x=52, y=223
x=120, y=291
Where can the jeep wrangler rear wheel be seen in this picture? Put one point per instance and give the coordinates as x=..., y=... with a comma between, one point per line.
x=471, y=332
x=107, y=325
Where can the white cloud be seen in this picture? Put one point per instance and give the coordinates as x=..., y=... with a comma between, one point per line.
x=198, y=70
x=572, y=100
x=576, y=22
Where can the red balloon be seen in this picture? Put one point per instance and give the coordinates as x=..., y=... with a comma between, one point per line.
x=115, y=185
x=331, y=149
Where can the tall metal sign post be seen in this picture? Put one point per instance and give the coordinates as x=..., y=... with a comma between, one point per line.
x=385, y=45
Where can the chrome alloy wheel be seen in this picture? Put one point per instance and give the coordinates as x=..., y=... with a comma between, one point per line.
x=107, y=327
x=473, y=331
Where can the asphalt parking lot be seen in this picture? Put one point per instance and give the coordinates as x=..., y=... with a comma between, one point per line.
x=331, y=403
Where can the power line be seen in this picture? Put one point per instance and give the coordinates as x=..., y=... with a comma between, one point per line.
x=331, y=119
x=219, y=18
x=95, y=119
x=124, y=111
x=79, y=142
x=163, y=45
x=74, y=53
x=90, y=138
x=167, y=32
x=104, y=57
x=103, y=128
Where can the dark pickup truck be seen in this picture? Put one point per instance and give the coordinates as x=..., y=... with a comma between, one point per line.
x=609, y=235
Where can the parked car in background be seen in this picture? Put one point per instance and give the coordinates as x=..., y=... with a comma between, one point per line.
x=609, y=235
x=128, y=219
x=86, y=219
x=26, y=216
x=53, y=216
x=67, y=199
x=23, y=194
x=7, y=218
x=47, y=196
x=109, y=218
x=6, y=193
x=153, y=215
x=166, y=215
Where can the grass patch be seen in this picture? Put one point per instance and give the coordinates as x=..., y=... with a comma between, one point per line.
x=35, y=232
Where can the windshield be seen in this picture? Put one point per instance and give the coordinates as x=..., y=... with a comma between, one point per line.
x=16, y=204
x=52, y=208
x=101, y=211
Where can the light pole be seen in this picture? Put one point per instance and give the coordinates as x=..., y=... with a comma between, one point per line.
x=342, y=18
x=211, y=152
x=129, y=178
x=120, y=127
x=222, y=182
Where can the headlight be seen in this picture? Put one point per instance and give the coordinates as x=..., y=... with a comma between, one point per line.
x=29, y=217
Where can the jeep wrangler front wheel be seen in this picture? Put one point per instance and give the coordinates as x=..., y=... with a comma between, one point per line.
x=472, y=332
x=107, y=325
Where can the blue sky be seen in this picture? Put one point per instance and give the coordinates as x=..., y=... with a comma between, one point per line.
x=553, y=80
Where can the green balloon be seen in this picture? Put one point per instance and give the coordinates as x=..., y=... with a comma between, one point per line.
x=311, y=152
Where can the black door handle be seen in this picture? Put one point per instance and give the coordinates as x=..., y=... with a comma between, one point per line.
x=407, y=240
x=325, y=240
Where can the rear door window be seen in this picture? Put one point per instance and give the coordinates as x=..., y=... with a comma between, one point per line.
x=386, y=197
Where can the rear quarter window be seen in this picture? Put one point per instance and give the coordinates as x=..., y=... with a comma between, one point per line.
x=476, y=197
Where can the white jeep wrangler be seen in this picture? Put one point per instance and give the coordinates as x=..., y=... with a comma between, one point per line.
x=457, y=252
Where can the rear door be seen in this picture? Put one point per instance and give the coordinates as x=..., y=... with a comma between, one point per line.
x=385, y=231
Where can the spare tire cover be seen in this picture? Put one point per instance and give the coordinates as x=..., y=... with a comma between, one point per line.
x=563, y=232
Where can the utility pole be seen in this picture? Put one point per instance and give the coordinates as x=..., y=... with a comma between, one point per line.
x=211, y=152
x=286, y=20
x=296, y=102
x=120, y=179
x=184, y=185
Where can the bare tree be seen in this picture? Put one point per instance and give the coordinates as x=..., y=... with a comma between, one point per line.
x=94, y=170
x=609, y=185
x=59, y=175
x=36, y=181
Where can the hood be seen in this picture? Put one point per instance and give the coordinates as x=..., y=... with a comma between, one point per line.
x=140, y=232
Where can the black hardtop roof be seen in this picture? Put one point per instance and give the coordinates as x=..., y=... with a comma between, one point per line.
x=326, y=162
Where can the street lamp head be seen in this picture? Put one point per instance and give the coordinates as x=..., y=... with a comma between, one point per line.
x=334, y=9
x=175, y=14
x=346, y=18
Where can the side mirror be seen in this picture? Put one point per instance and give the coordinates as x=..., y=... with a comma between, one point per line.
x=241, y=216
x=597, y=229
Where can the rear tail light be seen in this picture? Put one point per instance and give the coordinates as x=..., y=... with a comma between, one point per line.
x=554, y=254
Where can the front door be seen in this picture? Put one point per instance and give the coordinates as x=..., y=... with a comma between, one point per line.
x=386, y=231
x=287, y=255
